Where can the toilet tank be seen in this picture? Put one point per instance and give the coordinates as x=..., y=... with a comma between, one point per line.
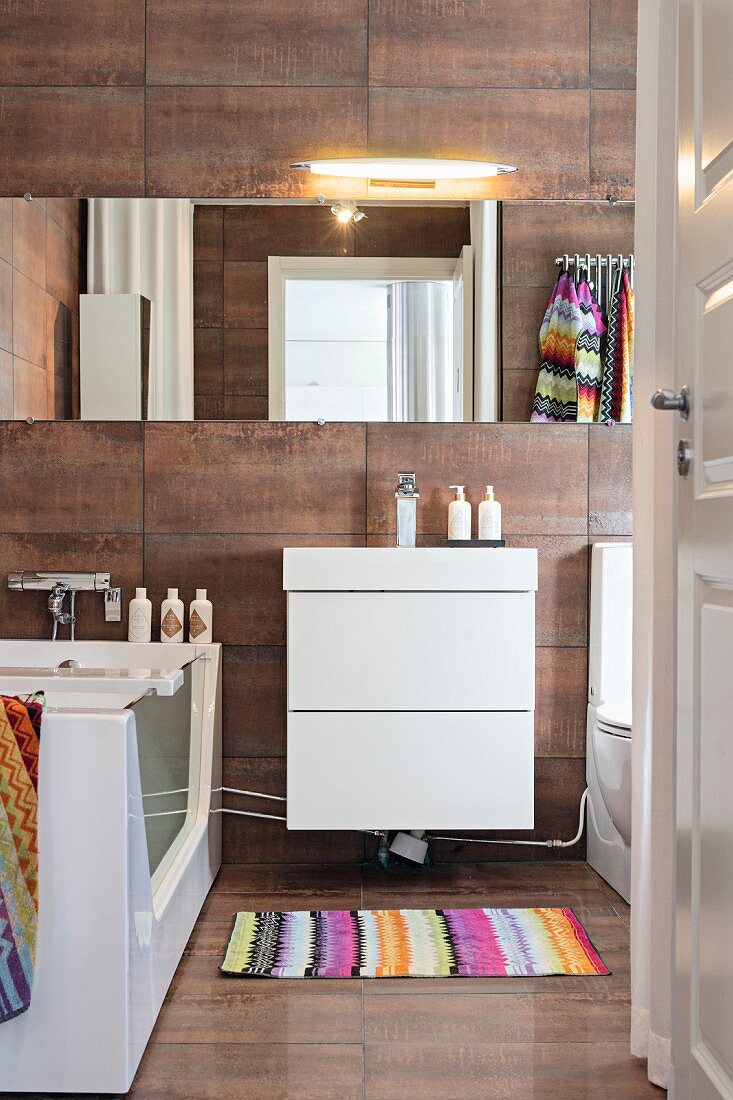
x=611, y=595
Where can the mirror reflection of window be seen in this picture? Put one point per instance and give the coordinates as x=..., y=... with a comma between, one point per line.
x=368, y=349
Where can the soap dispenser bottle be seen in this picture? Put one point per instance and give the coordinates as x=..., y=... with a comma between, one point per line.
x=459, y=516
x=489, y=516
x=171, y=617
x=140, y=618
x=200, y=617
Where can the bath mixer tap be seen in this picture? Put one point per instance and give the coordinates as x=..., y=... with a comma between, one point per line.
x=59, y=585
x=56, y=607
x=406, y=496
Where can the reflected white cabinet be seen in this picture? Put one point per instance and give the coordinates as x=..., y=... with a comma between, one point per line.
x=410, y=688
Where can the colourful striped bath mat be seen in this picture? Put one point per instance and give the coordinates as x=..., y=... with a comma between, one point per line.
x=410, y=943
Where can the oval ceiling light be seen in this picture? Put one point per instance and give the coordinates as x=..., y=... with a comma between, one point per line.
x=404, y=170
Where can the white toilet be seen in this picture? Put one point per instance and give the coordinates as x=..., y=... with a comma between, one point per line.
x=608, y=751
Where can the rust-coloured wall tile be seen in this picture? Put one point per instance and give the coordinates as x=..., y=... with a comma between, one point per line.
x=67, y=213
x=30, y=390
x=254, y=477
x=29, y=320
x=208, y=353
x=241, y=573
x=239, y=407
x=74, y=42
x=71, y=477
x=534, y=234
x=518, y=388
x=613, y=43
x=208, y=232
x=255, y=701
x=252, y=233
x=251, y=42
x=6, y=306
x=477, y=44
x=208, y=293
x=29, y=239
x=6, y=230
x=207, y=407
x=562, y=693
x=62, y=265
x=562, y=594
x=245, y=295
x=48, y=134
x=522, y=311
x=613, y=143
x=25, y=614
x=241, y=141
x=6, y=385
x=609, y=499
x=544, y=133
x=413, y=231
x=537, y=495
x=253, y=840
x=245, y=361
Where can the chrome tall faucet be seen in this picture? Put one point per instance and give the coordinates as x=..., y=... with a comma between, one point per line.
x=407, y=497
x=59, y=585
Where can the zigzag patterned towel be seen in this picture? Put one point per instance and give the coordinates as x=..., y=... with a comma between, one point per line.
x=19, y=745
x=588, y=367
x=556, y=395
x=410, y=943
x=618, y=369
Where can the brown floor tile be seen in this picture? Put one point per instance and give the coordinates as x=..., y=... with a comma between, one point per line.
x=507, y=1071
x=234, y=1012
x=250, y=1072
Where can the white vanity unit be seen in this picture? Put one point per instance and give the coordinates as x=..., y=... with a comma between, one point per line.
x=410, y=688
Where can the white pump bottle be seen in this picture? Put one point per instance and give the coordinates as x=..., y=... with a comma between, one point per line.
x=459, y=515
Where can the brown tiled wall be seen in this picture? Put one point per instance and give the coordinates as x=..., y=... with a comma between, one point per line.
x=158, y=97
x=212, y=505
x=231, y=247
x=534, y=234
x=40, y=280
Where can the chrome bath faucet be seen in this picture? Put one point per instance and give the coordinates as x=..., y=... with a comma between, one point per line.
x=406, y=496
x=60, y=585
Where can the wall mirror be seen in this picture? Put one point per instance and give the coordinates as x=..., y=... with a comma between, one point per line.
x=178, y=309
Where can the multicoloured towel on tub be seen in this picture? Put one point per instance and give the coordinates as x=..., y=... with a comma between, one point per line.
x=20, y=726
x=410, y=943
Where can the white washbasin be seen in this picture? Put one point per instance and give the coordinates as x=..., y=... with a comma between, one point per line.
x=424, y=569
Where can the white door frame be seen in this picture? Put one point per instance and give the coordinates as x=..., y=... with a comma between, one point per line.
x=280, y=268
x=655, y=592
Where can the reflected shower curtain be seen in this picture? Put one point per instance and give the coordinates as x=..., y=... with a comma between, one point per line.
x=145, y=246
x=420, y=348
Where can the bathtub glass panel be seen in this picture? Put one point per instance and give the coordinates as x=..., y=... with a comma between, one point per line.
x=169, y=751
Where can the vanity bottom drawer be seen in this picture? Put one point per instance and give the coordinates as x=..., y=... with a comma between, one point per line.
x=426, y=770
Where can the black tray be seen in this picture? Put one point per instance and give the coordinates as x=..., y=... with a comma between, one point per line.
x=473, y=542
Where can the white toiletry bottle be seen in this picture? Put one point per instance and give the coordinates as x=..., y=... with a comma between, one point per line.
x=171, y=617
x=459, y=515
x=489, y=516
x=200, y=617
x=140, y=621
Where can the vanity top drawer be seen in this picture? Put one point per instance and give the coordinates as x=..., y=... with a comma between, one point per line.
x=410, y=651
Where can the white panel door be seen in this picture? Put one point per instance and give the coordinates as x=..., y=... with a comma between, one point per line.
x=410, y=650
x=410, y=771
x=704, y=1002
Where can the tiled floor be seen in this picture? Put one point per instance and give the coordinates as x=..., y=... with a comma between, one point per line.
x=397, y=1039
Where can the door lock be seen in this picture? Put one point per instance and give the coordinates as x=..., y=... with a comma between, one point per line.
x=684, y=457
x=668, y=401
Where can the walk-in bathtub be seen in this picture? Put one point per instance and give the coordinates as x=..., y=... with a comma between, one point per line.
x=130, y=769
